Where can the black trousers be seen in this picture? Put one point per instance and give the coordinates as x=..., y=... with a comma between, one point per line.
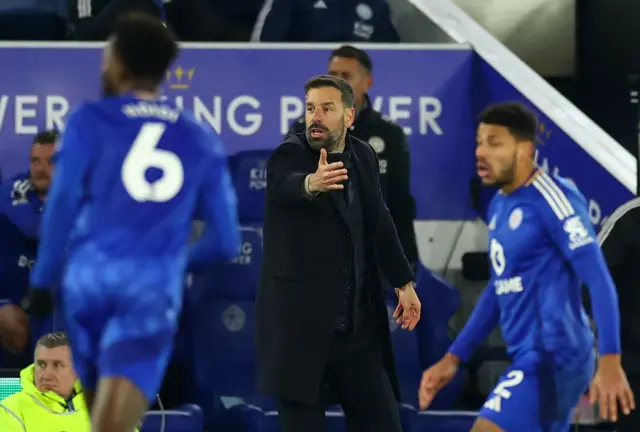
x=354, y=378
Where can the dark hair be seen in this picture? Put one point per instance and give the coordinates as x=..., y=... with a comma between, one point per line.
x=145, y=46
x=53, y=340
x=331, y=81
x=46, y=137
x=349, y=51
x=521, y=122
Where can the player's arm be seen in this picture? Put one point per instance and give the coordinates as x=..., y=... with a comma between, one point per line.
x=286, y=182
x=567, y=221
x=63, y=202
x=484, y=318
x=401, y=204
x=395, y=266
x=218, y=208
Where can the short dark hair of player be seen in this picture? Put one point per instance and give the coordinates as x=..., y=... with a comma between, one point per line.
x=348, y=99
x=349, y=51
x=521, y=122
x=46, y=137
x=145, y=46
x=53, y=340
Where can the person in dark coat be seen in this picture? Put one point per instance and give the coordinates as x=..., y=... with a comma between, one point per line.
x=322, y=324
x=385, y=137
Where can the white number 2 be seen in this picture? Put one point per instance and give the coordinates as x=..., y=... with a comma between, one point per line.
x=514, y=378
x=143, y=155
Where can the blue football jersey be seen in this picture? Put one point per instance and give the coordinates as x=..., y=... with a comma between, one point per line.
x=534, y=234
x=130, y=176
x=542, y=249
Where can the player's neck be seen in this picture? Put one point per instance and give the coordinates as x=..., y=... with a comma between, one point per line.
x=523, y=177
x=144, y=94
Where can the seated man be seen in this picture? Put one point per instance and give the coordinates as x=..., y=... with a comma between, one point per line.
x=51, y=398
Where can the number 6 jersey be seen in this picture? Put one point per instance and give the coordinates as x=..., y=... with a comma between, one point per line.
x=130, y=177
x=542, y=248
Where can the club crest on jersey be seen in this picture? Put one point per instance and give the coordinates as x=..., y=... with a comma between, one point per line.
x=515, y=219
x=377, y=144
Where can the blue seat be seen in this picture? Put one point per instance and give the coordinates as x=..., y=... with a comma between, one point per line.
x=249, y=175
x=443, y=421
x=185, y=418
x=252, y=418
x=221, y=309
x=224, y=357
x=416, y=351
x=237, y=279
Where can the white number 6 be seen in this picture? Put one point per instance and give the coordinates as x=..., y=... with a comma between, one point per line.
x=143, y=155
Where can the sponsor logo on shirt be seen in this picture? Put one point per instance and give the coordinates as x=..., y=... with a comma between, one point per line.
x=578, y=234
x=509, y=286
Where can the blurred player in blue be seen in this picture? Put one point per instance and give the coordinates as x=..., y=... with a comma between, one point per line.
x=131, y=173
x=541, y=249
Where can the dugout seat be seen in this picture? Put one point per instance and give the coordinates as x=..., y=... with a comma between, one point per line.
x=416, y=351
x=443, y=421
x=222, y=309
x=249, y=175
x=185, y=418
x=236, y=279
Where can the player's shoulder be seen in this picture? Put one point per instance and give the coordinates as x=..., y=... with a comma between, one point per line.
x=361, y=147
x=84, y=111
x=556, y=195
x=292, y=143
x=386, y=123
x=200, y=134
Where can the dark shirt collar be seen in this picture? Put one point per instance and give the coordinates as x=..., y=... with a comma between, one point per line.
x=348, y=151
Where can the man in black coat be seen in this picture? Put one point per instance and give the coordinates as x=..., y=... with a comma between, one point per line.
x=385, y=137
x=322, y=326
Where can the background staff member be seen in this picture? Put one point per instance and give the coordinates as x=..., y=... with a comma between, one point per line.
x=385, y=137
x=619, y=239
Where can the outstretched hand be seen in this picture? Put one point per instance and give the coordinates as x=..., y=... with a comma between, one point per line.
x=328, y=176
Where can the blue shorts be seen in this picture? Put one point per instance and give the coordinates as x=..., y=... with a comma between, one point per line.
x=535, y=398
x=122, y=318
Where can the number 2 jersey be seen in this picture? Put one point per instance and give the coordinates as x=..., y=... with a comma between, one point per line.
x=542, y=249
x=130, y=176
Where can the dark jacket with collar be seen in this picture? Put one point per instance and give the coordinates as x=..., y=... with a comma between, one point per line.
x=390, y=144
x=306, y=265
